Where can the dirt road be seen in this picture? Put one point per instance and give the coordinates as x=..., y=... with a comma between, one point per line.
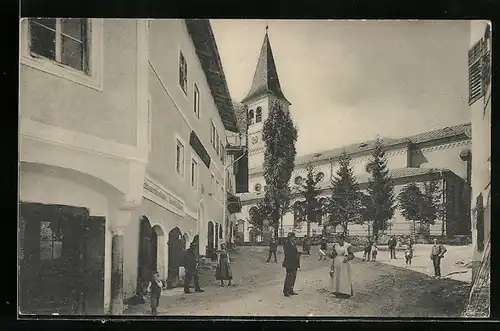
x=381, y=290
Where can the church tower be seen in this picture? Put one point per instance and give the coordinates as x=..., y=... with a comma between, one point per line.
x=265, y=90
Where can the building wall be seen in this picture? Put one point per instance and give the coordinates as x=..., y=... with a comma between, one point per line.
x=173, y=117
x=481, y=151
x=56, y=101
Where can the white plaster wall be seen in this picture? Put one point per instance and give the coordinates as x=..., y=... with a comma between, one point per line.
x=47, y=188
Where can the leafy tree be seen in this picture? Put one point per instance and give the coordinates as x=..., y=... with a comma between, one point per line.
x=411, y=203
x=382, y=203
x=279, y=135
x=345, y=203
x=433, y=207
x=368, y=211
x=310, y=190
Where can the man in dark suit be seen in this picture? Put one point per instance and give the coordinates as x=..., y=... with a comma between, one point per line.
x=291, y=264
x=191, y=267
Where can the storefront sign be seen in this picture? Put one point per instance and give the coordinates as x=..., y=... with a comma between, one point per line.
x=158, y=192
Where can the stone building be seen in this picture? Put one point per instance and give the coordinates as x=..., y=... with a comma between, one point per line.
x=441, y=154
x=123, y=133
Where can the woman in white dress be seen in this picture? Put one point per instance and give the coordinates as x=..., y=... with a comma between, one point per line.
x=340, y=272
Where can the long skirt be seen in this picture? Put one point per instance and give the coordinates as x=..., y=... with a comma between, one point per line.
x=341, y=280
x=223, y=271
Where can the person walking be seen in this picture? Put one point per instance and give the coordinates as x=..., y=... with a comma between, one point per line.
x=374, y=252
x=437, y=253
x=306, y=246
x=367, y=250
x=223, y=271
x=191, y=267
x=323, y=248
x=409, y=254
x=291, y=263
x=340, y=271
x=154, y=289
x=392, y=247
x=273, y=247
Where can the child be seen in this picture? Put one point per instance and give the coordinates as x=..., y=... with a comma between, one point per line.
x=374, y=252
x=409, y=255
x=367, y=250
x=154, y=289
x=323, y=249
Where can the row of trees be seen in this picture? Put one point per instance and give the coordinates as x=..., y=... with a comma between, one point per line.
x=347, y=204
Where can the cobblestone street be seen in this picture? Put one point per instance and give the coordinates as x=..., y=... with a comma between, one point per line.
x=380, y=290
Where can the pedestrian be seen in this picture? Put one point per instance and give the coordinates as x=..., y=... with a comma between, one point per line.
x=323, y=248
x=437, y=253
x=367, y=250
x=374, y=252
x=191, y=267
x=409, y=254
x=154, y=289
x=223, y=271
x=306, y=246
x=392, y=247
x=340, y=271
x=273, y=247
x=291, y=263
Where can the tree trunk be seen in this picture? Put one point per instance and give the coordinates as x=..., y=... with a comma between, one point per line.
x=308, y=229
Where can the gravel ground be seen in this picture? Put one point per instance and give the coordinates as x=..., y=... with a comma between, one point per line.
x=381, y=290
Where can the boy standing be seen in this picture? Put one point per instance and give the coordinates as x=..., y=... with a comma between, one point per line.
x=154, y=289
x=367, y=250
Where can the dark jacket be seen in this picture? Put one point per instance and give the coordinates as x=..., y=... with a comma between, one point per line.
x=391, y=243
x=292, y=256
x=273, y=246
x=190, y=260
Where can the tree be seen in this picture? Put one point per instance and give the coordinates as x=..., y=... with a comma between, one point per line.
x=433, y=207
x=368, y=211
x=310, y=190
x=382, y=204
x=279, y=135
x=345, y=203
x=411, y=202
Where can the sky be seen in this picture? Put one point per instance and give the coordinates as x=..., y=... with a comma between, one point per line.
x=349, y=81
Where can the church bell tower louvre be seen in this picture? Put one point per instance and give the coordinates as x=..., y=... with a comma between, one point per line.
x=264, y=91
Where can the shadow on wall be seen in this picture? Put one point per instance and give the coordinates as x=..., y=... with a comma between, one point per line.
x=418, y=158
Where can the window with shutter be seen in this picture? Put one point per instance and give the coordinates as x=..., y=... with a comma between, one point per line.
x=476, y=61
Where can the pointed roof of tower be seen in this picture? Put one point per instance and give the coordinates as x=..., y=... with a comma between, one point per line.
x=265, y=78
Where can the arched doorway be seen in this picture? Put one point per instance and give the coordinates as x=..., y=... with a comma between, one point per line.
x=146, y=262
x=158, y=250
x=185, y=241
x=175, y=252
x=210, y=240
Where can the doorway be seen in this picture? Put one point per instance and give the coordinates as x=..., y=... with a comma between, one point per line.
x=175, y=254
x=146, y=261
x=211, y=242
x=61, y=260
x=158, y=250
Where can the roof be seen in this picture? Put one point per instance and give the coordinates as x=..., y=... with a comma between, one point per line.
x=208, y=53
x=461, y=131
x=396, y=173
x=265, y=79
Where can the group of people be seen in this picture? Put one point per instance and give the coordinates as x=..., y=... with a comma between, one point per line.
x=340, y=270
x=370, y=251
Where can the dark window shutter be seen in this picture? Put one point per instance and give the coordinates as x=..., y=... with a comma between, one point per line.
x=476, y=64
x=242, y=175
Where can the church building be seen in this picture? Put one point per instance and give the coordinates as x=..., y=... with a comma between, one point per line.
x=442, y=155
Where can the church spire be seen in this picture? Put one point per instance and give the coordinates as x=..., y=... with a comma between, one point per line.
x=265, y=78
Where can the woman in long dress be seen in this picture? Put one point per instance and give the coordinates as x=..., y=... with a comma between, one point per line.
x=223, y=271
x=340, y=272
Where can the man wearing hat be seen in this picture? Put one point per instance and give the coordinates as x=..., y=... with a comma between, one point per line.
x=291, y=264
x=190, y=265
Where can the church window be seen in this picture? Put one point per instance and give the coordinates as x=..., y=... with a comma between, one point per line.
x=250, y=117
x=258, y=187
x=258, y=115
x=298, y=180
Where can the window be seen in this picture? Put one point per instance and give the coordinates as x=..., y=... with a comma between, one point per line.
x=476, y=67
x=50, y=241
x=64, y=40
x=194, y=173
x=222, y=152
x=216, y=190
x=179, y=158
x=196, y=101
x=258, y=115
x=212, y=132
x=183, y=73
x=221, y=193
x=216, y=142
x=320, y=176
x=298, y=180
x=250, y=117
